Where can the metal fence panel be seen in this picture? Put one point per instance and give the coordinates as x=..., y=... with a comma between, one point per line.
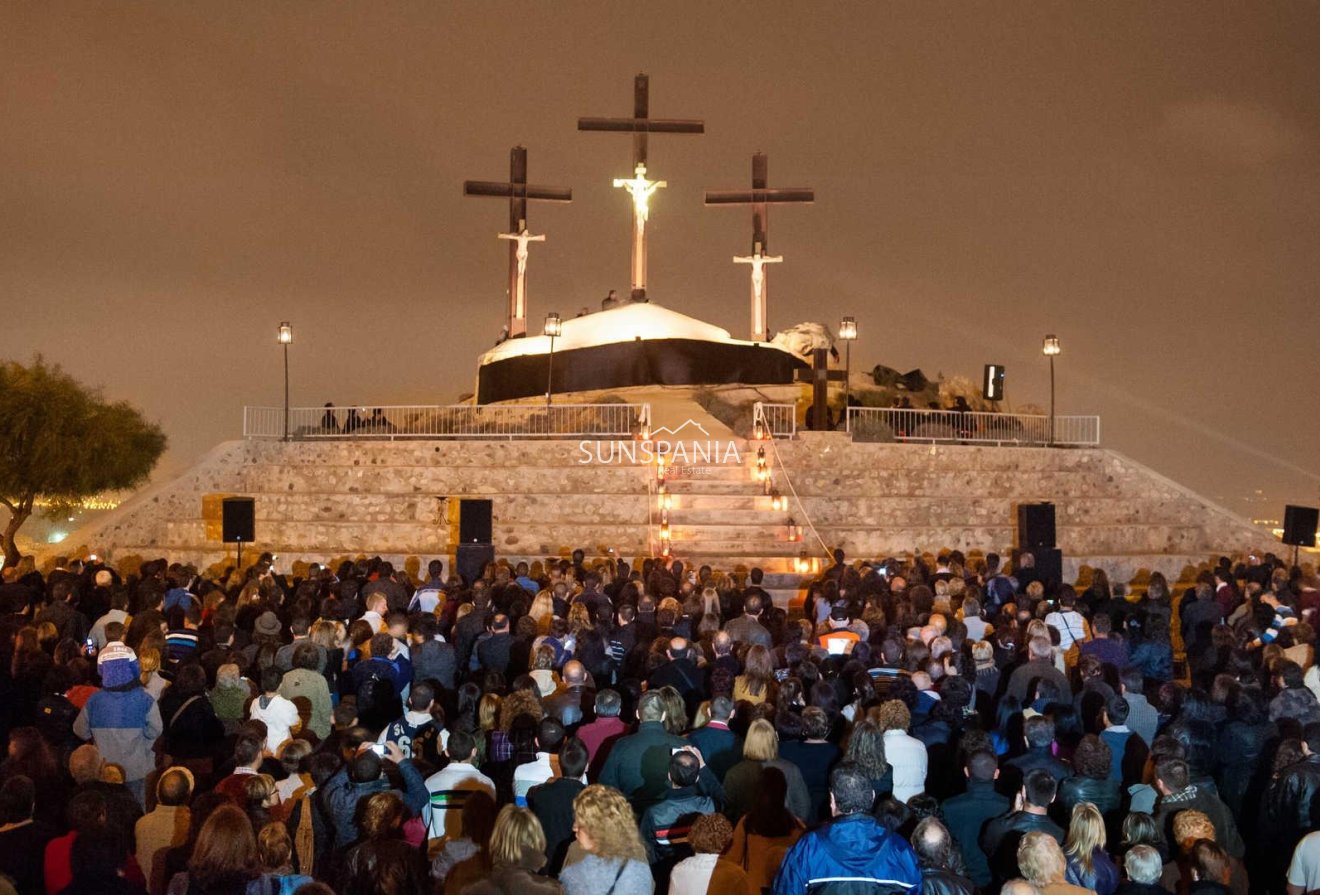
x=455, y=421
x=775, y=420
x=904, y=424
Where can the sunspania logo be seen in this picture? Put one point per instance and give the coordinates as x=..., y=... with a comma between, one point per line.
x=682, y=457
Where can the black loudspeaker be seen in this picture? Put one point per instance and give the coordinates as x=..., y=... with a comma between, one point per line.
x=1049, y=566
x=471, y=560
x=474, y=522
x=1299, y=525
x=992, y=385
x=1035, y=525
x=238, y=520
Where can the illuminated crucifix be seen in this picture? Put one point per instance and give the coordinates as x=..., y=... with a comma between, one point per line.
x=760, y=197
x=517, y=191
x=639, y=187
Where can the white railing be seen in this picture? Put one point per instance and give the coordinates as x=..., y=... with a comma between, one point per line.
x=774, y=420
x=902, y=424
x=456, y=421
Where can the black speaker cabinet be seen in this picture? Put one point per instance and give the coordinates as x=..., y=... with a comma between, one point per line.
x=471, y=560
x=474, y=526
x=1049, y=566
x=239, y=520
x=992, y=385
x=1035, y=525
x=1299, y=525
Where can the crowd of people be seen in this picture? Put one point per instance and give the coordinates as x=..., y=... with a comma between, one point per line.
x=949, y=724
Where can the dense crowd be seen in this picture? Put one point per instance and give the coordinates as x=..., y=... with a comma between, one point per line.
x=581, y=726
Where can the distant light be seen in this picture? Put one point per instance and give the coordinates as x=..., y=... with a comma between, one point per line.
x=1050, y=346
x=56, y=536
x=848, y=329
x=554, y=325
x=285, y=335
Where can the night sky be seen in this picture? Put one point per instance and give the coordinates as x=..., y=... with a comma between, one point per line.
x=1142, y=179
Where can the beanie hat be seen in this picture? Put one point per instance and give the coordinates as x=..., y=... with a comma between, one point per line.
x=118, y=666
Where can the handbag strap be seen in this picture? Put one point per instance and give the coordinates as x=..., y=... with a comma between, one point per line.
x=179, y=711
x=623, y=862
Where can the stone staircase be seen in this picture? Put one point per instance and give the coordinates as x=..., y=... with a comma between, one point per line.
x=723, y=517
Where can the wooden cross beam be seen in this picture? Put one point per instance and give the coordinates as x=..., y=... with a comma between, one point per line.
x=641, y=125
x=519, y=193
x=820, y=376
x=760, y=197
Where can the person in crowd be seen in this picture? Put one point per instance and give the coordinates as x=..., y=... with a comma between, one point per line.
x=666, y=825
x=383, y=862
x=224, y=859
x=761, y=750
x=707, y=872
x=854, y=846
x=940, y=862
x=122, y=719
x=1044, y=866
x=766, y=832
x=1089, y=865
x=517, y=852
x=905, y=753
x=1001, y=836
x=552, y=802
x=611, y=856
x=23, y=837
x=165, y=826
x=967, y=813
x=1143, y=867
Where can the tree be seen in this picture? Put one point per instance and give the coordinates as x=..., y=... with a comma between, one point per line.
x=61, y=442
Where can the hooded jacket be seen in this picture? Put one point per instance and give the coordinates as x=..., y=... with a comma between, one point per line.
x=852, y=855
x=124, y=724
x=342, y=796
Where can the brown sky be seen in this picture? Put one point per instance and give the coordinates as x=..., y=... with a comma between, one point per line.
x=1141, y=178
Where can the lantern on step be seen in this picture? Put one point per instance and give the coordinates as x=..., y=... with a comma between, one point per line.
x=664, y=530
x=664, y=549
x=762, y=471
x=778, y=502
x=666, y=499
x=758, y=430
x=660, y=469
x=803, y=563
x=767, y=485
x=794, y=530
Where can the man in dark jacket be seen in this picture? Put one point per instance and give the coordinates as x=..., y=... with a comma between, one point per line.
x=1038, y=731
x=937, y=857
x=853, y=852
x=1291, y=807
x=681, y=673
x=666, y=824
x=638, y=765
x=966, y=814
x=364, y=775
x=747, y=628
x=1000, y=837
x=575, y=702
x=432, y=659
x=1178, y=793
x=1021, y=683
x=1199, y=616
x=493, y=652
x=552, y=803
x=719, y=746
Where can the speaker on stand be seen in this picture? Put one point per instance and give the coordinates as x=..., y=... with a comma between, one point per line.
x=1299, y=525
x=475, y=549
x=238, y=523
x=1036, y=535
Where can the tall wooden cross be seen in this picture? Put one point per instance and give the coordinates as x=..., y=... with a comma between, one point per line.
x=641, y=125
x=760, y=197
x=518, y=192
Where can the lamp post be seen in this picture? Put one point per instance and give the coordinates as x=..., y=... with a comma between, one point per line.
x=1050, y=348
x=553, y=327
x=285, y=338
x=847, y=332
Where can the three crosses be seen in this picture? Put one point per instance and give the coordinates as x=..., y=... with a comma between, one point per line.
x=640, y=189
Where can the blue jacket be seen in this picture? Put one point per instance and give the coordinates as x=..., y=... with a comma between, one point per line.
x=851, y=855
x=124, y=725
x=342, y=796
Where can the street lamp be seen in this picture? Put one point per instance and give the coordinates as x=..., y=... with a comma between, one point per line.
x=1050, y=348
x=285, y=338
x=554, y=326
x=847, y=332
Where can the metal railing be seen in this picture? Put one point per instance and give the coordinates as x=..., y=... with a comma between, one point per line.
x=970, y=427
x=774, y=420
x=475, y=421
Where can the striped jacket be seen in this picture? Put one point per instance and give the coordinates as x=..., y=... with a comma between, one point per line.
x=666, y=824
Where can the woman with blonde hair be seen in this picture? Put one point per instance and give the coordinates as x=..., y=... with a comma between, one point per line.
x=542, y=610
x=1089, y=865
x=275, y=849
x=761, y=750
x=758, y=677
x=610, y=857
x=517, y=852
